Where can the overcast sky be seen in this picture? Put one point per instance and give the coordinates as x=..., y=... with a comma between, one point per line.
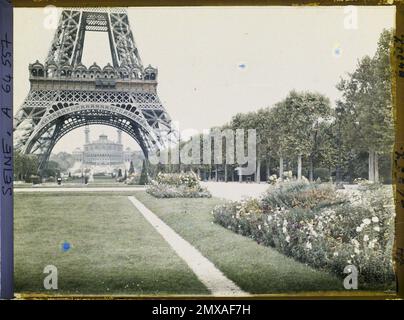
x=216, y=62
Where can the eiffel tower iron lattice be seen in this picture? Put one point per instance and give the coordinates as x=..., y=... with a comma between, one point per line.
x=65, y=94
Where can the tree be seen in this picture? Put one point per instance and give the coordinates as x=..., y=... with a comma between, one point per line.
x=290, y=129
x=131, y=168
x=64, y=159
x=366, y=105
x=25, y=165
x=52, y=169
x=259, y=121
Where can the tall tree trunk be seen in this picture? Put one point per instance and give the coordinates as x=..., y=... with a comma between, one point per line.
x=225, y=172
x=217, y=173
x=376, y=166
x=299, y=167
x=281, y=168
x=258, y=173
x=311, y=169
x=268, y=168
x=371, y=166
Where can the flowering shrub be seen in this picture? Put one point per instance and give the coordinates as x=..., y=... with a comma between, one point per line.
x=133, y=179
x=315, y=225
x=189, y=179
x=177, y=185
x=288, y=175
x=301, y=194
x=272, y=179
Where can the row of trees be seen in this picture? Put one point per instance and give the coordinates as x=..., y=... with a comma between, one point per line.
x=304, y=131
x=26, y=167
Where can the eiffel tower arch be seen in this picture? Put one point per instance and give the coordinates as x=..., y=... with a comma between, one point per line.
x=65, y=94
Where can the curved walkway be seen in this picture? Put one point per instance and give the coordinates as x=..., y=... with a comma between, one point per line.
x=235, y=190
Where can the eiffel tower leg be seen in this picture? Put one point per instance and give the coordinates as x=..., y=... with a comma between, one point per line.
x=43, y=158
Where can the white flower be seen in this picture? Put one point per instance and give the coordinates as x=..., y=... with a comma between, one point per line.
x=335, y=254
x=358, y=229
x=287, y=238
x=366, y=238
x=366, y=221
x=375, y=219
x=355, y=242
x=377, y=228
x=259, y=227
x=308, y=245
x=356, y=250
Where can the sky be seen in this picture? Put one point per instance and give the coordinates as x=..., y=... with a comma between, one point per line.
x=215, y=62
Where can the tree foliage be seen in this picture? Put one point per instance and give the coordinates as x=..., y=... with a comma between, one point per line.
x=366, y=103
x=25, y=165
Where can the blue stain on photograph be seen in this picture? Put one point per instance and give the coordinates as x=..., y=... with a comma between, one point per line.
x=242, y=65
x=337, y=50
x=66, y=246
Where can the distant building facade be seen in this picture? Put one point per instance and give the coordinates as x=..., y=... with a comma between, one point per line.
x=102, y=155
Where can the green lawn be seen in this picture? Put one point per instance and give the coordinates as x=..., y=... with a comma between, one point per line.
x=77, y=184
x=255, y=268
x=114, y=250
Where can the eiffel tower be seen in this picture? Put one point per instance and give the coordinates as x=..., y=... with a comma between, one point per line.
x=65, y=94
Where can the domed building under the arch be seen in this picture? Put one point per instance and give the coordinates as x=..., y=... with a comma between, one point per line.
x=101, y=156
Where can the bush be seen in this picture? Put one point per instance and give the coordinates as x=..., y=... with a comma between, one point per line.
x=189, y=179
x=133, y=179
x=120, y=179
x=34, y=179
x=177, y=185
x=300, y=194
x=322, y=230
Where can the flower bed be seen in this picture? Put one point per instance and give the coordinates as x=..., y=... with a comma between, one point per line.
x=133, y=179
x=177, y=185
x=315, y=225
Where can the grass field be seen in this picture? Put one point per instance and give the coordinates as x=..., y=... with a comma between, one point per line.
x=255, y=268
x=75, y=184
x=113, y=249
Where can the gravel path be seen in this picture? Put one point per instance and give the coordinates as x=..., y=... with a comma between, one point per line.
x=235, y=190
x=216, y=282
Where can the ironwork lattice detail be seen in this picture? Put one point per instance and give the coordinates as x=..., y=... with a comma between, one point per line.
x=66, y=95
